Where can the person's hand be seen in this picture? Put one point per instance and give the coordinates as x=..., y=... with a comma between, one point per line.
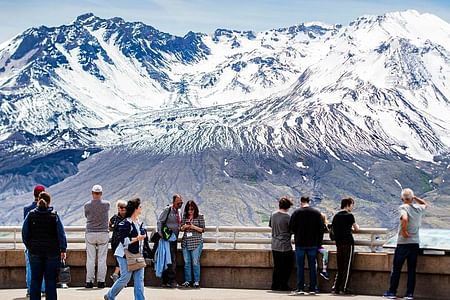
x=140, y=237
x=405, y=234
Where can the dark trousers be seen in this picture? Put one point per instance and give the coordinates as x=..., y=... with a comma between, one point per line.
x=282, y=268
x=344, y=258
x=310, y=253
x=44, y=267
x=169, y=275
x=408, y=252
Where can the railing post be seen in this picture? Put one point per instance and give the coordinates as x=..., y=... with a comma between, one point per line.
x=15, y=239
x=234, y=239
x=372, y=239
x=217, y=237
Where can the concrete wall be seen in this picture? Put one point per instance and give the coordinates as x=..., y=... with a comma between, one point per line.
x=253, y=269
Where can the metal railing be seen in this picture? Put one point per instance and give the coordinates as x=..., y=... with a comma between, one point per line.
x=221, y=236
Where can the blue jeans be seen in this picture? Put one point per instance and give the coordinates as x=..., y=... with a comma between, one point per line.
x=311, y=253
x=408, y=252
x=192, y=262
x=125, y=276
x=43, y=267
x=28, y=273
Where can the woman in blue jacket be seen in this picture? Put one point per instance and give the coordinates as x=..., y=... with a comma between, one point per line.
x=132, y=236
x=43, y=235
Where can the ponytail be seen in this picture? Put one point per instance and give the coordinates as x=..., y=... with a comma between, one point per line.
x=43, y=200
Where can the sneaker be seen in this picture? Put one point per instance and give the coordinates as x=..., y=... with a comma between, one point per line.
x=186, y=284
x=114, y=277
x=314, y=292
x=325, y=275
x=174, y=285
x=409, y=297
x=28, y=295
x=105, y=297
x=89, y=285
x=196, y=285
x=297, y=292
x=389, y=295
x=100, y=285
x=335, y=293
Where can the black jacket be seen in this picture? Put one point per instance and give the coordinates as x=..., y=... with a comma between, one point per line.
x=307, y=226
x=128, y=230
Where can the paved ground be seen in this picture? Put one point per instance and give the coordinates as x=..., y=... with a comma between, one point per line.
x=176, y=294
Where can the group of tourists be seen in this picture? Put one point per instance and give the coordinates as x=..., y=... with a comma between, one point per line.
x=45, y=241
x=308, y=226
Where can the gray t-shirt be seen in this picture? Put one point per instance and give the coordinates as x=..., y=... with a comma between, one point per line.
x=414, y=212
x=96, y=213
x=281, y=237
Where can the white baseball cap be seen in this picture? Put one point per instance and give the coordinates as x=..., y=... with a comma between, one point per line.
x=97, y=188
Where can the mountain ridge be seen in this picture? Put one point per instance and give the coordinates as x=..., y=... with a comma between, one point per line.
x=314, y=104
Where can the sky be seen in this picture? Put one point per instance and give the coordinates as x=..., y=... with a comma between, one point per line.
x=180, y=16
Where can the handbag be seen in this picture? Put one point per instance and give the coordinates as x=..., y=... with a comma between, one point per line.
x=64, y=273
x=134, y=261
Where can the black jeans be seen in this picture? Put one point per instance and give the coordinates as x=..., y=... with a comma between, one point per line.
x=408, y=252
x=283, y=263
x=44, y=267
x=344, y=258
x=169, y=275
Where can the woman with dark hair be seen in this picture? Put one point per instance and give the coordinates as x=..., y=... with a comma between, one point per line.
x=193, y=225
x=44, y=237
x=283, y=256
x=132, y=236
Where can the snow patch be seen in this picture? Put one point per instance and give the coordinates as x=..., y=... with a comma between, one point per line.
x=301, y=165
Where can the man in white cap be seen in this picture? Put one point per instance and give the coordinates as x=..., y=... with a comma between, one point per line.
x=97, y=236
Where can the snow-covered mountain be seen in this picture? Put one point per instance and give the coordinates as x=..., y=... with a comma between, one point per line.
x=328, y=110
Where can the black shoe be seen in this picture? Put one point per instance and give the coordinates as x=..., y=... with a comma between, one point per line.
x=89, y=285
x=100, y=285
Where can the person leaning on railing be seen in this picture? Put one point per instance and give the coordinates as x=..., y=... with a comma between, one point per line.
x=283, y=256
x=342, y=225
x=43, y=235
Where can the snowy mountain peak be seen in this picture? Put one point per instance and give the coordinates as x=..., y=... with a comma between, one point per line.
x=377, y=77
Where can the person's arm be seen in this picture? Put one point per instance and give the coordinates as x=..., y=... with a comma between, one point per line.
x=162, y=218
x=292, y=223
x=424, y=204
x=355, y=226
x=404, y=224
x=61, y=238
x=201, y=227
x=183, y=224
x=111, y=223
x=25, y=232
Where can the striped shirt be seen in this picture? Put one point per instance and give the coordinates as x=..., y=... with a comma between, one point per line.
x=191, y=242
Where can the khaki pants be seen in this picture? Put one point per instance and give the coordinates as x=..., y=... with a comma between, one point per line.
x=96, y=241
